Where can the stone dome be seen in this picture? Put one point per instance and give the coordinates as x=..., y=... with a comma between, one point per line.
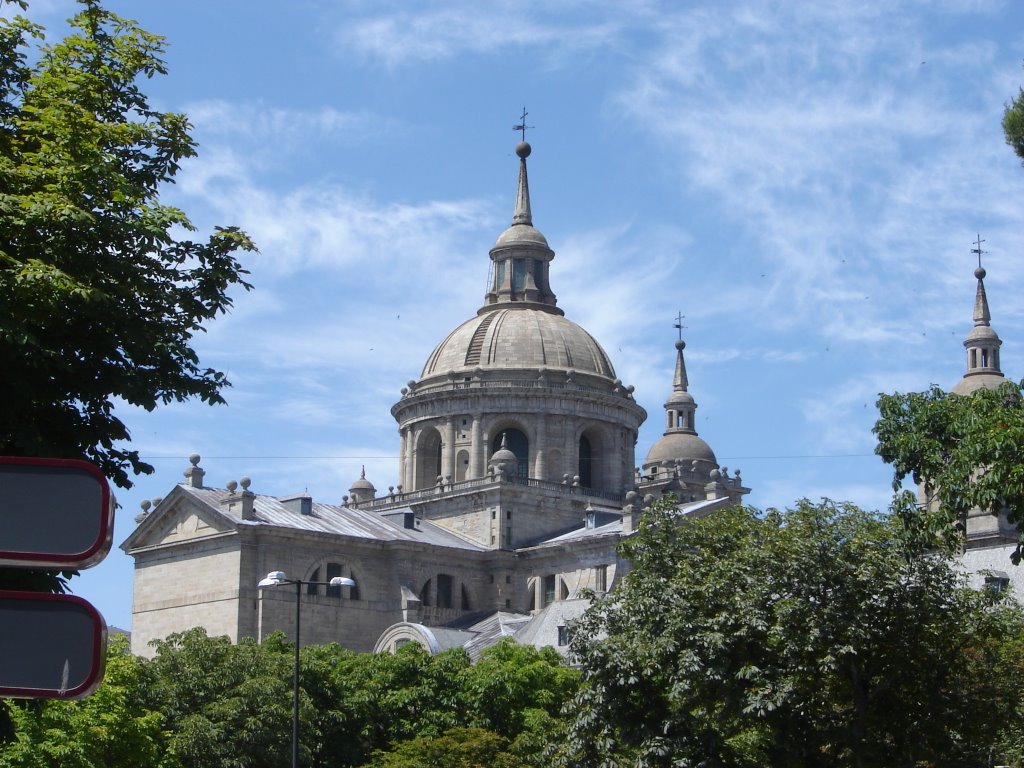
x=972, y=382
x=518, y=339
x=680, y=447
x=521, y=234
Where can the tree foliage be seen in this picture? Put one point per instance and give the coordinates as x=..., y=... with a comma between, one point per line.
x=203, y=702
x=811, y=637
x=965, y=451
x=112, y=728
x=101, y=286
x=1013, y=124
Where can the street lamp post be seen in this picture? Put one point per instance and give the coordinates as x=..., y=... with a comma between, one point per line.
x=277, y=579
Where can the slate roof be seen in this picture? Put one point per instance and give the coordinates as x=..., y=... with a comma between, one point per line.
x=328, y=518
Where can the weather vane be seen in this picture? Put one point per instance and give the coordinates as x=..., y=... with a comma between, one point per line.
x=679, y=324
x=977, y=249
x=522, y=125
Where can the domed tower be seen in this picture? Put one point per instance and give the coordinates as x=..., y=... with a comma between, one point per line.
x=519, y=374
x=680, y=461
x=985, y=532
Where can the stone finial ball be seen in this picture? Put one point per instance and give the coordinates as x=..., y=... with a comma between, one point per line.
x=194, y=459
x=680, y=344
x=523, y=149
x=232, y=485
x=980, y=273
x=245, y=482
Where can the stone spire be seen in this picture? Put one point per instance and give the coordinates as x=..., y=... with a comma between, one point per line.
x=523, y=214
x=982, y=343
x=679, y=451
x=520, y=258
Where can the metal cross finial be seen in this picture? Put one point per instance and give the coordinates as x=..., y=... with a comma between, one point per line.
x=522, y=125
x=977, y=249
x=679, y=324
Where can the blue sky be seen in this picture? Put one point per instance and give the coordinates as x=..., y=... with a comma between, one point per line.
x=803, y=181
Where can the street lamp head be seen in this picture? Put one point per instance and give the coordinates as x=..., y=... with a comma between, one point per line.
x=274, y=579
x=342, y=581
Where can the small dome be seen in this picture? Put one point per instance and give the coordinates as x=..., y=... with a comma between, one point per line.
x=362, y=484
x=982, y=332
x=678, y=398
x=521, y=234
x=504, y=455
x=975, y=381
x=362, y=489
x=518, y=339
x=682, y=447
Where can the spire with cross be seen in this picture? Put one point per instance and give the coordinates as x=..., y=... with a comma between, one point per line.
x=522, y=124
x=679, y=324
x=977, y=249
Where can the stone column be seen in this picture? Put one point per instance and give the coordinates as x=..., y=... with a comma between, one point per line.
x=402, y=457
x=540, y=463
x=571, y=454
x=448, y=449
x=477, y=462
x=410, y=459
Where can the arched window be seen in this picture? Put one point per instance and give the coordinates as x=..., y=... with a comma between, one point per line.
x=428, y=459
x=444, y=590
x=327, y=571
x=516, y=442
x=461, y=466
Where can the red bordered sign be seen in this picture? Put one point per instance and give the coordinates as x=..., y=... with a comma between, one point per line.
x=54, y=513
x=51, y=646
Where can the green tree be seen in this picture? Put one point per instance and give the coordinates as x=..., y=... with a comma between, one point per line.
x=810, y=637
x=455, y=748
x=965, y=451
x=1013, y=124
x=99, y=295
x=112, y=728
x=225, y=705
x=512, y=683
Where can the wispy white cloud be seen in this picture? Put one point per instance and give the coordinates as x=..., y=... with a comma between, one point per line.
x=398, y=34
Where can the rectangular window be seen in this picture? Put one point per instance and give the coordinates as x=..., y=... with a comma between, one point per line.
x=563, y=635
x=601, y=578
x=518, y=275
x=549, y=589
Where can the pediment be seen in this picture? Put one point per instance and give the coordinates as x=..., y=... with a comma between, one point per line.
x=180, y=521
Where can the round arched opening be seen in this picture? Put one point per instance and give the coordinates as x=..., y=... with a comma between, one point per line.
x=428, y=459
